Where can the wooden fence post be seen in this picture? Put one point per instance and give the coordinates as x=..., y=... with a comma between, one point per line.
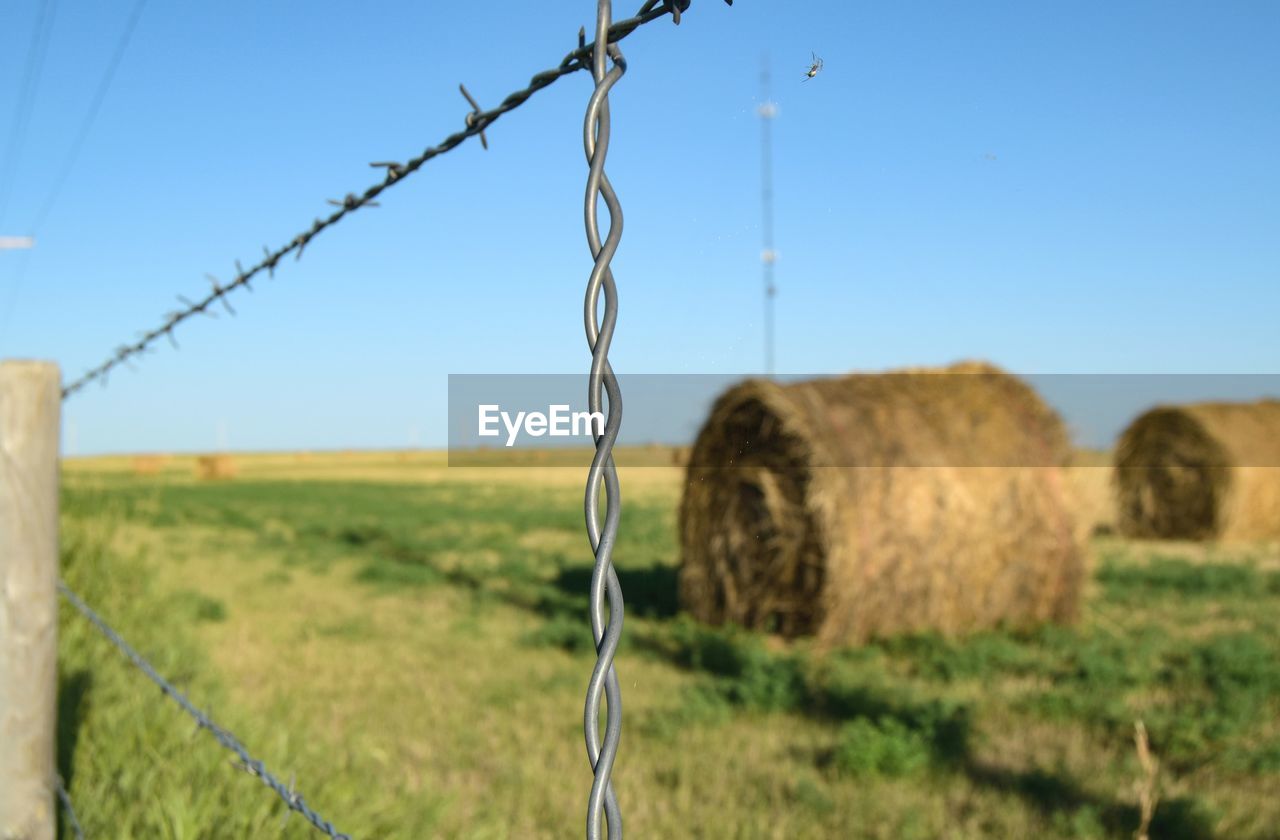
x=30, y=406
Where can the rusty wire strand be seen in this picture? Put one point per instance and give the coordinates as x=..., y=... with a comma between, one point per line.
x=476, y=122
x=246, y=762
x=602, y=800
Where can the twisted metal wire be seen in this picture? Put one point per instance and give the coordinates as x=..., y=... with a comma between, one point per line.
x=476, y=122
x=65, y=798
x=248, y=763
x=604, y=580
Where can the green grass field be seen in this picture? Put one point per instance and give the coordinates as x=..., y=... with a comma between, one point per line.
x=412, y=642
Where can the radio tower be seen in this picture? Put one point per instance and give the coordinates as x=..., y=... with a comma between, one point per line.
x=768, y=111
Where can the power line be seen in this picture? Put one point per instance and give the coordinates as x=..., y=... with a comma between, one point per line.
x=91, y=116
x=26, y=100
x=60, y=180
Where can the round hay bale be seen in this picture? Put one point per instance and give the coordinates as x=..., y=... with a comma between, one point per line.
x=875, y=504
x=1199, y=472
x=149, y=464
x=215, y=467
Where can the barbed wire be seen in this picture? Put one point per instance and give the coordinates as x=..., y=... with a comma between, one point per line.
x=65, y=798
x=248, y=763
x=476, y=122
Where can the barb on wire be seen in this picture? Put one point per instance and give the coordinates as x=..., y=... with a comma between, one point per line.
x=217, y=288
x=350, y=201
x=477, y=122
x=474, y=115
x=246, y=762
x=604, y=580
x=65, y=798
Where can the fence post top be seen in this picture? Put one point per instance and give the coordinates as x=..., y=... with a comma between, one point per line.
x=29, y=367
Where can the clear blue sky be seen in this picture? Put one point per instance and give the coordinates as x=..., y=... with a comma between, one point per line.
x=1056, y=187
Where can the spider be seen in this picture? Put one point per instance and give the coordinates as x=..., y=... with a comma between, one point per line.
x=813, y=68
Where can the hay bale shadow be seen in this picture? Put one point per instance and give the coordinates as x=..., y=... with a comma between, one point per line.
x=649, y=592
x=1180, y=818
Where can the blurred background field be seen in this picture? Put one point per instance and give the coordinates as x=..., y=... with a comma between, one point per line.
x=412, y=641
x=409, y=640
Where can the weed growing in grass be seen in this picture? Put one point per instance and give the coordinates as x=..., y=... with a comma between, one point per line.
x=277, y=577
x=1084, y=823
x=1240, y=669
x=358, y=629
x=1165, y=576
x=885, y=746
x=981, y=656
x=563, y=632
x=1264, y=758
x=700, y=705
x=844, y=688
x=1211, y=691
x=1092, y=675
x=393, y=575
x=809, y=795
x=1225, y=686
x=749, y=675
x=197, y=607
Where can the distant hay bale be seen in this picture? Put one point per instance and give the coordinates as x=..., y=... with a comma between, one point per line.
x=1203, y=471
x=876, y=504
x=149, y=464
x=214, y=467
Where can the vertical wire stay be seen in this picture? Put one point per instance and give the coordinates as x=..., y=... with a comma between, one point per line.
x=603, y=382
